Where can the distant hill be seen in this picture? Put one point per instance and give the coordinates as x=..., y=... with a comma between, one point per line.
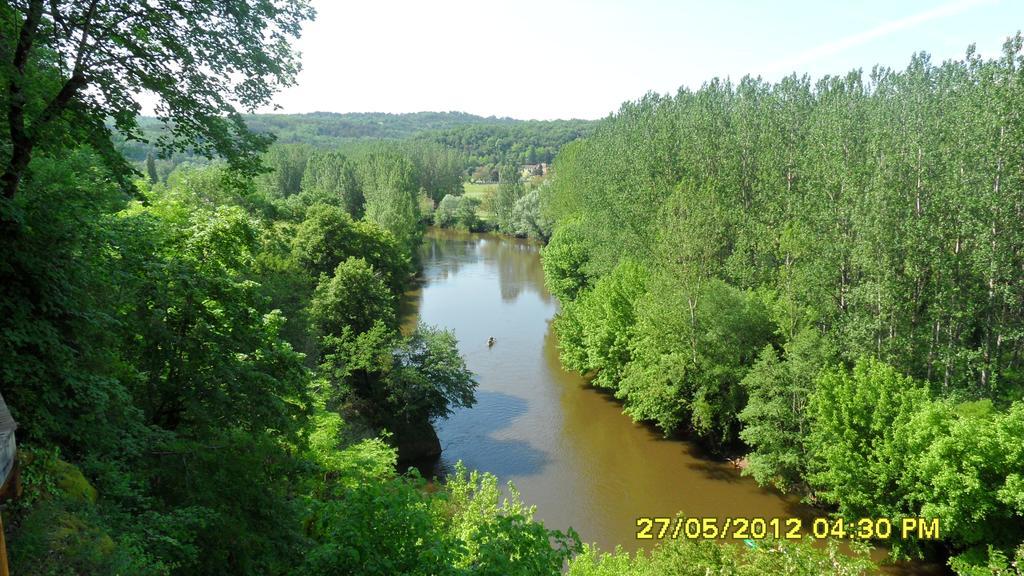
x=484, y=140
x=329, y=126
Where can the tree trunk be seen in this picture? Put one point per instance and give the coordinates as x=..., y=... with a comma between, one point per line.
x=21, y=144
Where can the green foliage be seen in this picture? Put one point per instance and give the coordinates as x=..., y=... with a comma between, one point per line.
x=566, y=262
x=966, y=469
x=880, y=446
x=444, y=215
x=438, y=168
x=428, y=377
x=446, y=143
x=801, y=191
x=378, y=529
x=993, y=563
x=499, y=533
x=395, y=527
x=201, y=65
x=777, y=418
x=466, y=215
x=208, y=344
x=354, y=297
x=686, y=557
x=151, y=169
x=494, y=141
x=328, y=236
x=606, y=317
x=390, y=187
x=330, y=178
x=391, y=380
x=287, y=164
x=349, y=461
x=858, y=454
x=458, y=212
x=510, y=190
x=59, y=367
x=706, y=351
x=170, y=359
x=528, y=219
x=57, y=538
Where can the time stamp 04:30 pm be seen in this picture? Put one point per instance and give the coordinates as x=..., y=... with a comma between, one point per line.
x=740, y=528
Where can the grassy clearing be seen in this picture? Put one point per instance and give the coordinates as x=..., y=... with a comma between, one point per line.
x=484, y=193
x=479, y=191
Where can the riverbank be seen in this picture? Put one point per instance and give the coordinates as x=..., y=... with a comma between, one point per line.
x=565, y=445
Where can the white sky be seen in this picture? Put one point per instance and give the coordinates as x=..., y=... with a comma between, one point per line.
x=581, y=59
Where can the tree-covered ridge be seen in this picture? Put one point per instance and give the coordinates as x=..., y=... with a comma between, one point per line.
x=294, y=128
x=726, y=256
x=517, y=143
x=479, y=140
x=328, y=129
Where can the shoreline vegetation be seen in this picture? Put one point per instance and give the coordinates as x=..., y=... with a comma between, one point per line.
x=823, y=274
x=200, y=335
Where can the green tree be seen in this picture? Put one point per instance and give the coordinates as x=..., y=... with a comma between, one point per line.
x=686, y=370
x=458, y=212
x=428, y=378
x=151, y=169
x=445, y=215
x=438, y=168
x=328, y=236
x=858, y=455
x=510, y=190
x=354, y=297
x=566, y=261
x=607, y=318
x=528, y=219
x=472, y=528
x=389, y=185
x=466, y=214
x=777, y=419
x=966, y=469
x=287, y=163
x=331, y=178
x=88, y=60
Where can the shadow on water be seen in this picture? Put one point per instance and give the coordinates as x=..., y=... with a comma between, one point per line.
x=475, y=435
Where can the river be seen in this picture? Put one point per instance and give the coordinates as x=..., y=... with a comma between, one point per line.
x=566, y=446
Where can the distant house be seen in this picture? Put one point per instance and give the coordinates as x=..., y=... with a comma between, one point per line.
x=535, y=170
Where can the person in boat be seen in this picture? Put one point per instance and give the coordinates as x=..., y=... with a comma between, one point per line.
x=490, y=341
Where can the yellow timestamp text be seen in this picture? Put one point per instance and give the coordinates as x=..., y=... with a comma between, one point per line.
x=756, y=528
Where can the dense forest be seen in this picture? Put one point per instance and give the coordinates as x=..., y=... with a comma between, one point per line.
x=482, y=143
x=207, y=371
x=205, y=360
x=828, y=276
x=523, y=142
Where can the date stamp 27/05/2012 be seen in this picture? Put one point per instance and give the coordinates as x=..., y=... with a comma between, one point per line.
x=742, y=528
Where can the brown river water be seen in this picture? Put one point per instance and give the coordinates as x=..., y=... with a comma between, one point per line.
x=566, y=446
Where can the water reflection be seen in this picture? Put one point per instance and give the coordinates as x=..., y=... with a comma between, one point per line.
x=446, y=252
